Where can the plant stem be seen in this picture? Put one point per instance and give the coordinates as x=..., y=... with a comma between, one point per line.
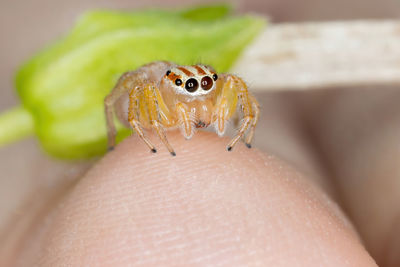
x=15, y=124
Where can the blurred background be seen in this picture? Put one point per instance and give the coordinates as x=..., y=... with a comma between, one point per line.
x=27, y=26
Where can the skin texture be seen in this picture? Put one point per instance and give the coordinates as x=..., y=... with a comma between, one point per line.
x=206, y=206
x=290, y=205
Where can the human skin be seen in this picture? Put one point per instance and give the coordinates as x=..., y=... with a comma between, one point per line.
x=204, y=207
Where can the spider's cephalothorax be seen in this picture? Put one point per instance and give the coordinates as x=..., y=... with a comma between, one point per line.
x=163, y=95
x=192, y=81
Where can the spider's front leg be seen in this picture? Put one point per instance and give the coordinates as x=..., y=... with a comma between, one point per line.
x=235, y=90
x=256, y=112
x=128, y=82
x=145, y=101
x=124, y=84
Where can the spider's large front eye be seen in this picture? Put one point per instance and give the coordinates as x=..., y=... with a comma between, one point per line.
x=206, y=83
x=191, y=85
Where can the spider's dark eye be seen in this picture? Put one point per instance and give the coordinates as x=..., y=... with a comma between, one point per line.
x=178, y=82
x=206, y=83
x=191, y=85
x=168, y=72
x=215, y=76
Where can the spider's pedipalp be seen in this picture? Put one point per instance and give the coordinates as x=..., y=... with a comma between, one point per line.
x=222, y=117
x=186, y=120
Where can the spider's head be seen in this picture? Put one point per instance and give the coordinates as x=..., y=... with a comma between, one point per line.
x=196, y=80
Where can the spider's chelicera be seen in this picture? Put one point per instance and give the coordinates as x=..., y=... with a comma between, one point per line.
x=162, y=95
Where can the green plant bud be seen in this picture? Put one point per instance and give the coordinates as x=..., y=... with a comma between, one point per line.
x=62, y=88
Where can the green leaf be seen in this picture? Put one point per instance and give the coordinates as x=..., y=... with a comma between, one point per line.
x=204, y=13
x=63, y=87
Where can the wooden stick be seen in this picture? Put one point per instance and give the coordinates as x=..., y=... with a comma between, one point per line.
x=322, y=55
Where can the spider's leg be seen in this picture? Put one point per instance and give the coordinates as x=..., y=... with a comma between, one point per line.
x=243, y=128
x=135, y=96
x=124, y=84
x=111, y=131
x=256, y=110
x=247, y=103
x=161, y=133
x=225, y=105
x=136, y=125
x=186, y=120
x=158, y=113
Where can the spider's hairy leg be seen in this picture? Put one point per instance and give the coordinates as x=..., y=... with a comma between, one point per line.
x=185, y=120
x=256, y=109
x=158, y=113
x=125, y=83
x=161, y=133
x=225, y=105
x=135, y=96
x=247, y=103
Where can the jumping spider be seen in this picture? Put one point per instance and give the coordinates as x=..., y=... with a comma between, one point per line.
x=162, y=95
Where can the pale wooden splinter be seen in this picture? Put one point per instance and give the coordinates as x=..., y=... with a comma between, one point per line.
x=162, y=95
